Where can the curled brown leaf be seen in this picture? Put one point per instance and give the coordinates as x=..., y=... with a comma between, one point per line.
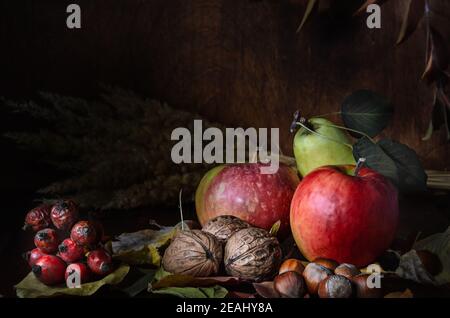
x=412, y=16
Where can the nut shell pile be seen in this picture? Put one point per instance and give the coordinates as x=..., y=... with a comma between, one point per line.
x=252, y=254
x=193, y=252
x=223, y=227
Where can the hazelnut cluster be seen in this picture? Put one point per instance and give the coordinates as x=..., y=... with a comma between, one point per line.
x=324, y=278
x=247, y=252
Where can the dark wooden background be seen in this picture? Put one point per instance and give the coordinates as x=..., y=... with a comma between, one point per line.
x=236, y=61
x=239, y=62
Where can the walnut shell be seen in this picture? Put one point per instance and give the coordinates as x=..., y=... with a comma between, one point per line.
x=224, y=226
x=194, y=253
x=252, y=254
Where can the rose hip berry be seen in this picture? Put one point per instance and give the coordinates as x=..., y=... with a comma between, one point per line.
x=32, y=256
x=64, y=214
x=69, y=251
x=100, y=262
x=38, y=218
x=46, y=240
x=83, y=233
x=79, y=269
x=50, y=269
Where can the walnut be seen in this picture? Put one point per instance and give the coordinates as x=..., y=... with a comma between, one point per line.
x=252, y=254
x=224, y=226
x=194, y=253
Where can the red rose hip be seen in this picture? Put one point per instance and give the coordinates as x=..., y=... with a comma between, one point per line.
x=50, y=269
x=69, y=251
x=46, y=240
x=64, y=214
x=83, y=233
x=75, y=271
x=33, y=256
x=100, y=262
x=38, y=218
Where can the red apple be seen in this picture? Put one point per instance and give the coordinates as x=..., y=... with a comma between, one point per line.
x=342, y=216
x=243, y=191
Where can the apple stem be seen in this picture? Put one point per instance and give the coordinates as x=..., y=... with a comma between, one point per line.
x=359, y=164
x=352, y=130
x=301, y=123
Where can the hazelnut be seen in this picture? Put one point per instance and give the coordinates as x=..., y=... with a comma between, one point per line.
x=224, y=226
x=293, y=265
x=313, y=275
x=364, y=291
x=347, y=270
x=252, y=254
x=430, y=261
x=335, y=286
x=193, y=252
x=290, y=285
x=326, y=262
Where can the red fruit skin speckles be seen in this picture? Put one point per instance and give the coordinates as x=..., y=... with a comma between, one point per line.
x=50, y=270
x=100, y=262
x=80, y=269
x=33, y=256
x=342, y=217
x=83, y=233
x=69, y=251
x=243, y=191
x=38, y=218
x=64, y=214
x=46, y=240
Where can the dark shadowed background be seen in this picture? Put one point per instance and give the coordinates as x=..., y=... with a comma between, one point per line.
x=238, y=62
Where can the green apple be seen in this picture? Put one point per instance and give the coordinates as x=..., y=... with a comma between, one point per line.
x=328, y=146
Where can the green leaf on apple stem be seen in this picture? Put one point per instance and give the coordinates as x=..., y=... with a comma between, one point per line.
x=367, y=112
x=394, y=160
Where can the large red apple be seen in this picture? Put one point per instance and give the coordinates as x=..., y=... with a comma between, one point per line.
x=243, y=191
x=346, y=217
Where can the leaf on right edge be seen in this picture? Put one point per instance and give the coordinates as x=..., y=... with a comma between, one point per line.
x=440, y=116
x=438, y=244
x=411, y=268
x=366, y=111
x=395, y=161
x=437, y=58
x=411, y=19
x=309, y=9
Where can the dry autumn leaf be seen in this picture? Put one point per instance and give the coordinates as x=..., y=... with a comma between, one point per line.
x=31, y=287
x=411, y=18
x=411, y=268
x=366, y=4
x=437, y=57
x=438, y=244
x=309, y=8
x=404, y=294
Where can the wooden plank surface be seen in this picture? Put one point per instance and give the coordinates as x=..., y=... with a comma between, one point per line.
x=237, y=61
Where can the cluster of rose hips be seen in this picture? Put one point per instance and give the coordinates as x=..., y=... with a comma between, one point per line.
x=55, y=259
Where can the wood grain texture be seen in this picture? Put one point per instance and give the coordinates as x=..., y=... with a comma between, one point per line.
x=236, y=61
